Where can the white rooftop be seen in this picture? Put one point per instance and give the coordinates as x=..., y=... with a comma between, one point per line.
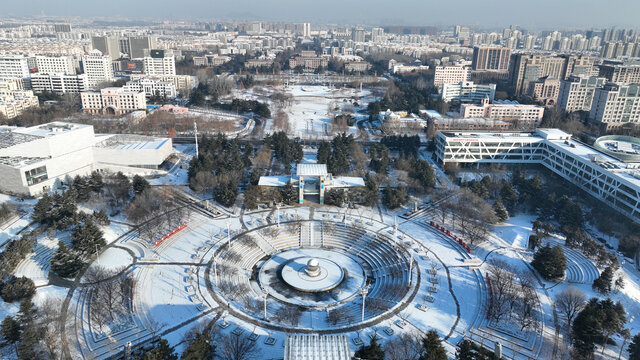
x=311, y=170
x=317, y=347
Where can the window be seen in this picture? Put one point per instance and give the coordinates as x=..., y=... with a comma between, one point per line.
x=36, y=176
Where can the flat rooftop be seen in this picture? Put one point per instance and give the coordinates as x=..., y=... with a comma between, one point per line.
x=628, y=171
x=19, y=161
x=50, y=129
x=12, y=138
x=129, y=142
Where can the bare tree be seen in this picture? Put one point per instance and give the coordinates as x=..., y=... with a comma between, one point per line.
x=288, y=314
x=407, y=346
x=526, y=301
x=502, y=279
x=570, y=302
x=232, y=347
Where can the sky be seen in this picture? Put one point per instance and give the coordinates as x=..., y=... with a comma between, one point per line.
x=533, y=14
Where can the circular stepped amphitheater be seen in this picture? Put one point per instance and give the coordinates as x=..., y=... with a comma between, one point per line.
x=384, y=261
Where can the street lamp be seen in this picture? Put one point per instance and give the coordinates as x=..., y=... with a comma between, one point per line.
x=364, y=291
x=228, y=234
x=265, y=295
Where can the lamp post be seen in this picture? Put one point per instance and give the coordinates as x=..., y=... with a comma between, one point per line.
x=265, y=295
x=410, y=267
x=364, y=291
x=228, y=234
x=278, y=215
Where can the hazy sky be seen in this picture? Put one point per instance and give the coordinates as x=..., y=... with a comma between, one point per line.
x=531, y=13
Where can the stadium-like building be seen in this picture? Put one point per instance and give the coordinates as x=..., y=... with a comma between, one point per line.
x=612, y=176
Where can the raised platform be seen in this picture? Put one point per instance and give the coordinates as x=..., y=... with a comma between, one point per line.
x=294, y=273
x=340, y=279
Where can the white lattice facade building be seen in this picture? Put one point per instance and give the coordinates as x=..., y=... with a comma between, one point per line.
x=614, y=182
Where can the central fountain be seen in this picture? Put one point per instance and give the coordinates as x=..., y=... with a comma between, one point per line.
x=311, y=274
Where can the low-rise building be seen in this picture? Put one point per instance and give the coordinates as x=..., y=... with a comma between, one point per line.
x=59, y=83
x=357, y=66
x=211, y=60
x=471, y=124
x=37, y=159
x=545, y=90
x=503, y=110
x=113, y=101
x=152, y=87
x=181, y=82
x=468, y=92
x=15, y=102
x=256, y=63
x=612, y=180
x=309, y=61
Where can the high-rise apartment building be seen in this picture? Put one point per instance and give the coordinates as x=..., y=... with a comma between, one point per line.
x=451, y=75
x=108, y=45
x=577, y=92
x=527, y=68
x=55, y=65
x=160, y=62
x=357, y=34
x=14, y=66
x=140, y=45
x=620, y=73
x=615, y=105
x=490, y=58
x=97, y=67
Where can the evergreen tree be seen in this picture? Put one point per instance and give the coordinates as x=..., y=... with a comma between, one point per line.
x=371, y=192
x=17, y=288
x=604, y=282
x=160, y=351
x=393, y=198
x=226, y=194
x=500, y=210
x=550, y=262
x=289, y=194
x=465, y=351
x=324, y=152
x=595, y=324
x=10, y=330
x=27, y=312
x=96, y=182
x=87, y=238
x=139, y=184
x=251, y=197
x=82, y=188
x=422, y=171
x=66, y=262
x=373, y=351
x=199, y=346
x=28, y=341
x=634, y=348
x=433, y=347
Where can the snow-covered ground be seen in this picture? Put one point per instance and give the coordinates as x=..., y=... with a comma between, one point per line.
x=313, y=107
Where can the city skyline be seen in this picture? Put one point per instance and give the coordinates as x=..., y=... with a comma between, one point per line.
x=545, y=13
